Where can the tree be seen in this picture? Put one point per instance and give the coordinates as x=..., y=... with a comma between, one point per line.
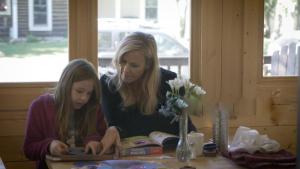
x=297, y=15
x=269, y=8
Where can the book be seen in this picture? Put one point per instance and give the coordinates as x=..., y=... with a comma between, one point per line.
x=129, y=164
x=119, y=164
x=78, y=154
x=155, y=143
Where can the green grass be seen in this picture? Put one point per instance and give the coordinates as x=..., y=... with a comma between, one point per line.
x=26, y=49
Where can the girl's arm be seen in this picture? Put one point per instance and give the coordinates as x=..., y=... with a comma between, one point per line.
x=36, y=142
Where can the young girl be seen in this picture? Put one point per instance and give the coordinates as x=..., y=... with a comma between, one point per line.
x=70, y=116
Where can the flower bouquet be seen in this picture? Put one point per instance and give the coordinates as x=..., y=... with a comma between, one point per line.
x=182, y=90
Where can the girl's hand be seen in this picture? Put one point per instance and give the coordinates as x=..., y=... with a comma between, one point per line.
x=111, y=138
x=94, y=147
x=58, y=148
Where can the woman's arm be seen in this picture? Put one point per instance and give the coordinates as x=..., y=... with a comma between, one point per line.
x=110, y=106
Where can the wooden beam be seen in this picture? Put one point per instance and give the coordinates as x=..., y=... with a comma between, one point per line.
x=83, y=36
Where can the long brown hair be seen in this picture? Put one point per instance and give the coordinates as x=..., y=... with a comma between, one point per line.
x=76, y=70
x=146, y=95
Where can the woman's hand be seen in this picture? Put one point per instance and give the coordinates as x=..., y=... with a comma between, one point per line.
x=58, y=148
x=94, y=146
x=111, y=138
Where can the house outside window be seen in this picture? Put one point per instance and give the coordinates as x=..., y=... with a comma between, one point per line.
x=151, y=10
x=36, y=54
x=5, y=7
x=40, y=15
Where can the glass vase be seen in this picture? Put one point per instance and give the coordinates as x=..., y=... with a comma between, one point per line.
x=183, y=151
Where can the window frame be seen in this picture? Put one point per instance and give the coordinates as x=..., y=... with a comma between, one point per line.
x=261, y=77
x=151, y=7
x=8, y=11
x=32, y=26
x=268, y=80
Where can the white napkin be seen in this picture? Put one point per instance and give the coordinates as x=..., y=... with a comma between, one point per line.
x=251, y=141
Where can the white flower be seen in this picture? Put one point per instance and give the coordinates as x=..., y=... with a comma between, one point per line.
x=189, y=87
x=199, y=91
x=176, y=83
x=187, y=83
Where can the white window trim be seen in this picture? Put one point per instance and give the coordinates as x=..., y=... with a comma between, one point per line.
x=33, y=27
x=146, y=10
x=8, y=11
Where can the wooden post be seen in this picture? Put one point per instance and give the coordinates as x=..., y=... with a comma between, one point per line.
x=83, y=33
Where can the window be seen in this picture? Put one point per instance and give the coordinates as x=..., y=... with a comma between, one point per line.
x=171, y=35
x=281, y=37
x=40, y=15
x=34, y=55
x=151, y=9
x=130, y=8
x=106, y=8
x=106, y=41
x=5, y=7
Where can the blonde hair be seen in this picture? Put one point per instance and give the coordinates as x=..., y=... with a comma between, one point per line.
x=76, y=70
x=146, y=95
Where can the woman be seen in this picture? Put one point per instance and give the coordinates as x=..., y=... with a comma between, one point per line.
x=133, y=94
x=68, y=117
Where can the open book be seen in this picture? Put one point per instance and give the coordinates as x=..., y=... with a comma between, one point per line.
x=147, y=145
x=78, y=154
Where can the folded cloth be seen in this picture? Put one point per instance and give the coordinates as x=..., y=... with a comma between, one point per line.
x=258, y=160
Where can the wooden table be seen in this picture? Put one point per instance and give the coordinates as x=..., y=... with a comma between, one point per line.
x=1, y=164
x=168, y=160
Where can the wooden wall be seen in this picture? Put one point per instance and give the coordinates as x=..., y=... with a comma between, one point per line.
x=230, y=54
x=14, y=102
x=226, y=58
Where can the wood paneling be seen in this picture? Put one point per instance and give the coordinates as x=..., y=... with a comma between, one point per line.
x=13, y=112
x=20, y=165
x=206, y=49
x=252, y=46
x=12, y=127
x=18, y=97
x=83, y=38
x=231, y=52
x=232, y=45
x=12, y=148
x=12, y=115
